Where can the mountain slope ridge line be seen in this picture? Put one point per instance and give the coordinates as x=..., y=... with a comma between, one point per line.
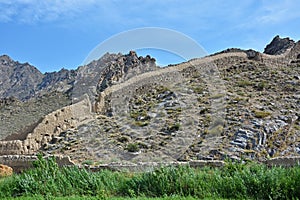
x=187, y=64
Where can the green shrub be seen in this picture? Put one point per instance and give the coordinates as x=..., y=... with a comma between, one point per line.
x=48, y=179
x=133, y=147
x=244, y=83
x=233, y=181
x=261, y=114
x=261, y=86
x=88, y=162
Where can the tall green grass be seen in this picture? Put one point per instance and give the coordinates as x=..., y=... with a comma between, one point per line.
x=49, y=180
x=235, y=180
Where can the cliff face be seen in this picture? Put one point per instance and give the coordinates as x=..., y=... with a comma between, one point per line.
x=231, y=104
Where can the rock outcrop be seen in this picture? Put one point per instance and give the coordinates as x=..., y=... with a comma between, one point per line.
x=109, y=70
x=279, y=46
x=124, y=68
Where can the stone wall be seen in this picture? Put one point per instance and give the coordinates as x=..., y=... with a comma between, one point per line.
x=20, y=163
x=119, y=94
x=283, y=161
x=51, y=125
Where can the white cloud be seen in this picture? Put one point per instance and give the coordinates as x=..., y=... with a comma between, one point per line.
x=141, y=13
x=190, y=16
x=278, y=12
x=33, y=11
x=270, y=13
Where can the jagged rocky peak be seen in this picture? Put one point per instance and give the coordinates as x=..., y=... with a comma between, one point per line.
x=18, y=79
x=5, y=59
x=109, y=70
x=106, y=58
x=279, y=45
x=125, y=67
x=51, y=79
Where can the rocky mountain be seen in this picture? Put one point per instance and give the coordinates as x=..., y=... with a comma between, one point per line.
x=18, y=79
x=27, y=95
x=235, y=103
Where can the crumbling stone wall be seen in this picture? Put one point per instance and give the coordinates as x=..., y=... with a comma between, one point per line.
x=52, y=125
x=20, y=163
x=283, y=161
x=165, y=76
x=169, y=75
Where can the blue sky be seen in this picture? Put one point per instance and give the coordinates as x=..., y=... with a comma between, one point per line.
x=52, y=34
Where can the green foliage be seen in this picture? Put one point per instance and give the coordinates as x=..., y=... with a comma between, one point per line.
x=161, y=89
x=47, y=179
x=261, y=114
x=244, y=83
x=172, y=127
x=88, y=162
x=198, y=89
x=141, y=117
x=214, y=131
x=261, y=85
x=133, y=147
x=141, y=123
x=233, y=181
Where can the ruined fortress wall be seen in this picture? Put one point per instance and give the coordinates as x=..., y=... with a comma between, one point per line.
x=275, y=61
x=121, y=93
x=20, y=163
x=282, y=59
x=283, y=161
x=52, y=125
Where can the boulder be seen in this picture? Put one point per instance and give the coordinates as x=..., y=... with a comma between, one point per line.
x=5, y=170
x=251, y=54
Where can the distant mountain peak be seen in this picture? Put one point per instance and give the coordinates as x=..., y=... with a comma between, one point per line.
x=5, y=59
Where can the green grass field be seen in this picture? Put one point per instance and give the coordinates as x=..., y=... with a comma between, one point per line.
x=234, y=181
x=97, y=198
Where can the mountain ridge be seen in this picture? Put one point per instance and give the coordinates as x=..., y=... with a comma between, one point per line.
x=36, y=81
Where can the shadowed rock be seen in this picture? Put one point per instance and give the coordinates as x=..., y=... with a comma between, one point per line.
x=279, y=46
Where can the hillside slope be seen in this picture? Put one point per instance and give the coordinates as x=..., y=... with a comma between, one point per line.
x=232, y=104
x=27, y=95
